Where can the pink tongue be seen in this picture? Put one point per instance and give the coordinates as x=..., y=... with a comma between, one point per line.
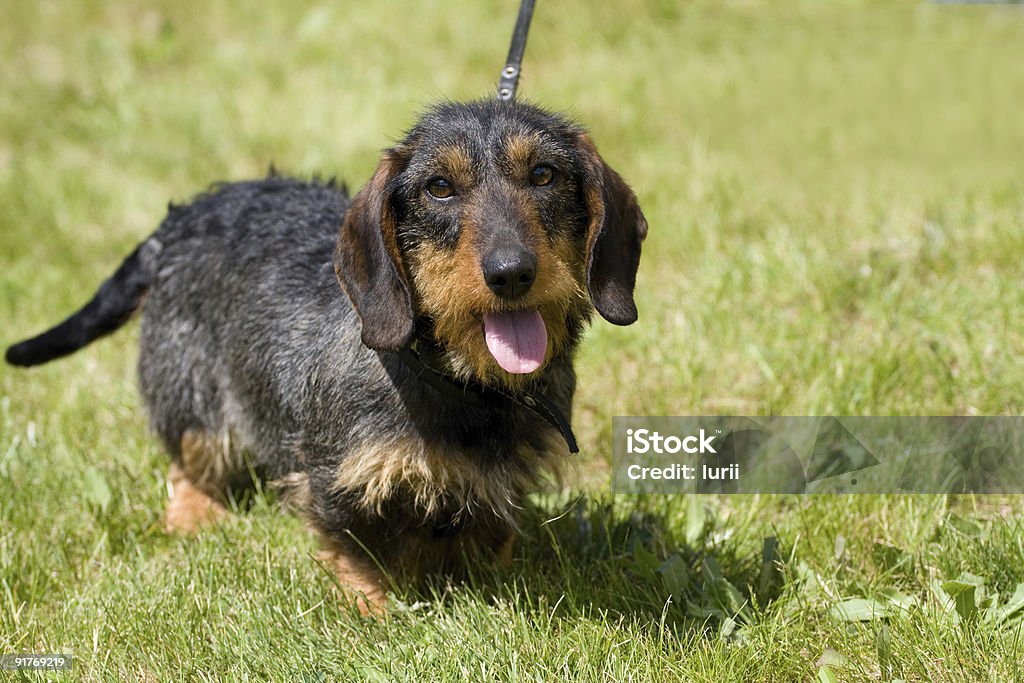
x=518, y=341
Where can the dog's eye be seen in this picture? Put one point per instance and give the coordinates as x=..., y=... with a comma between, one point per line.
x=541, y=175
x=439, y=188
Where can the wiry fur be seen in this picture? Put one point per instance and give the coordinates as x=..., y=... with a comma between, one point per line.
x=433, y=479
x=253, y=360
x=438, y=278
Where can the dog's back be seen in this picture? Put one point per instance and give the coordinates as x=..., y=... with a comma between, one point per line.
x=242, y=297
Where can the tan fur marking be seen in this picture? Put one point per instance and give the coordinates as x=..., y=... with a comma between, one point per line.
x=520, y=148
x=593, y=195
x=293, y=491
x=435, y=478
x=188, y=508
x=451, y=290
x=208, y=460
x=457, y=164
x=595, y=207
x=361, y=581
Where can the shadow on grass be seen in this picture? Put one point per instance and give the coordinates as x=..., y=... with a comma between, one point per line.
x=667, y=561
x=649, y=560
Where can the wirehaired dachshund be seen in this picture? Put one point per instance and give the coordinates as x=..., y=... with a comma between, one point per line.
x=408, y=411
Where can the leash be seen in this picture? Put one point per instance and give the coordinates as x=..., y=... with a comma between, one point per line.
x=513, y=64
x=476, y=394
x=480, y=396
x=536, y=403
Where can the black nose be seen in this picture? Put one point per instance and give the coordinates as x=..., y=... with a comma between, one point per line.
x=509, y=272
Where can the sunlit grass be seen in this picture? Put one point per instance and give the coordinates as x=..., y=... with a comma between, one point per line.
x=837, y=223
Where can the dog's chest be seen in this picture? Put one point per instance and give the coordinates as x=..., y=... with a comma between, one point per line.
x=443, y=481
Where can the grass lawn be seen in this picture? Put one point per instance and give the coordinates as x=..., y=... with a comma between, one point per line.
x=836, y=201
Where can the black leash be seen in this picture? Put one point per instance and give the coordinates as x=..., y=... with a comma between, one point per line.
x=513, y=65
x=479, y=395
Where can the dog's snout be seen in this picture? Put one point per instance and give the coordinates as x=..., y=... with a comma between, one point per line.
x=509, y=272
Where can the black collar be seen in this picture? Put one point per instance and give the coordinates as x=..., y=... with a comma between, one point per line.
x=475, y=394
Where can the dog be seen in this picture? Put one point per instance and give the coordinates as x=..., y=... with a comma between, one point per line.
x=408, y=411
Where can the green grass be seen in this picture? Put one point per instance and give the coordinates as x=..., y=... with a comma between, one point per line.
x=836, y=201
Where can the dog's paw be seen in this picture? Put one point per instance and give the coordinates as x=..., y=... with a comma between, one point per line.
x=188, y=508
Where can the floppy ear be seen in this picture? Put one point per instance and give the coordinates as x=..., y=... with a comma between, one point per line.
x=369, y=265
x=615, y=231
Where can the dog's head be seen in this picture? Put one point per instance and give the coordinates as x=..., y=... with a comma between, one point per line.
x=493, y=229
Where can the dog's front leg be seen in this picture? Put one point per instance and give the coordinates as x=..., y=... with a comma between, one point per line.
x=360, y=580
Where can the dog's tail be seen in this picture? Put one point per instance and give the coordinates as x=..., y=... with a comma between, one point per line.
x=110, y=308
